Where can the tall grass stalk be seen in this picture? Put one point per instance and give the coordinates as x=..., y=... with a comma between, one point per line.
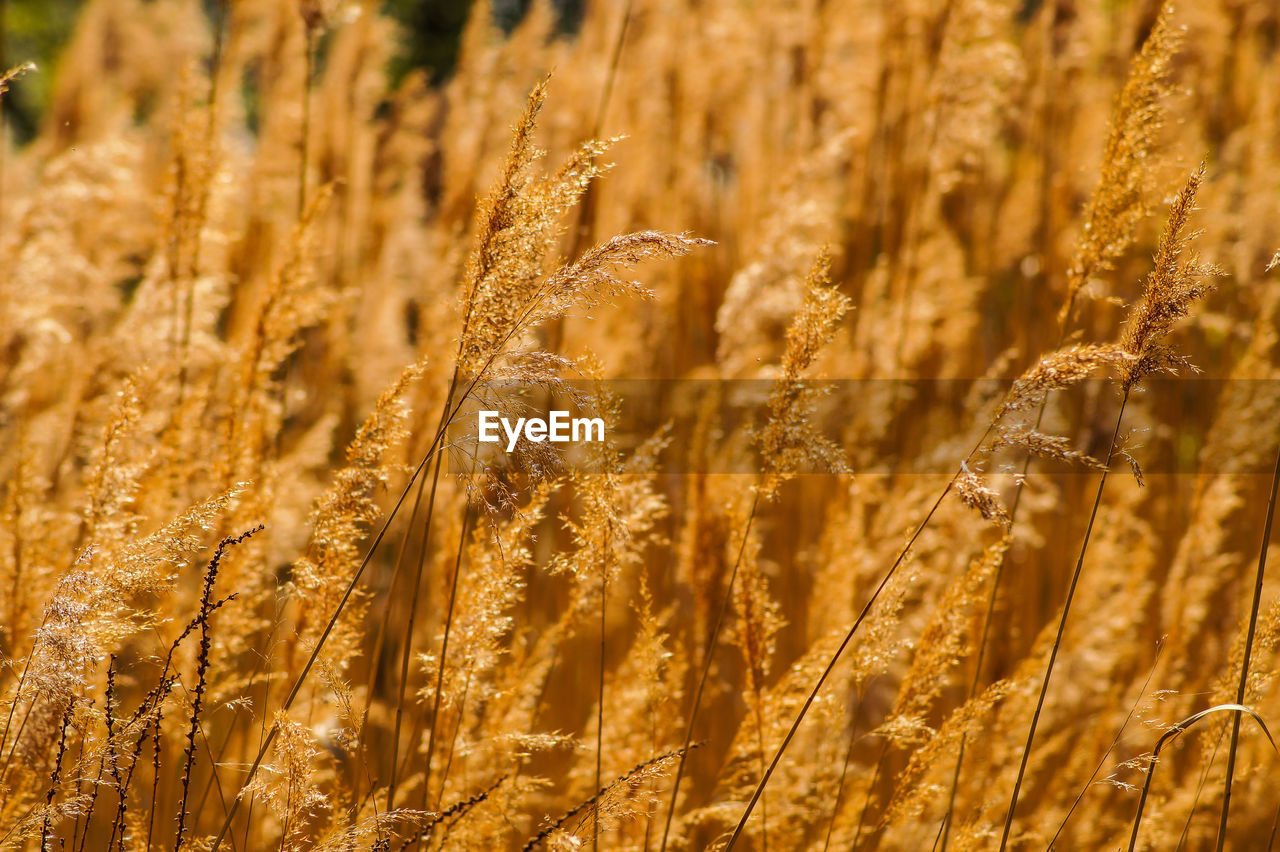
x=1243, y=683
x=708, y=656
x=604, y=603
x=1102, y=761
x=407, y=645
x=994, y=595
x=315, y=653
x=1062, y=628
x=835, y=658
x=468, y=516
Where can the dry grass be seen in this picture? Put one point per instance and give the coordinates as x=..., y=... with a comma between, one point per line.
x=245, y=283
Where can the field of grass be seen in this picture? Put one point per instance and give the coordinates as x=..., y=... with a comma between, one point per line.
x=937, y=347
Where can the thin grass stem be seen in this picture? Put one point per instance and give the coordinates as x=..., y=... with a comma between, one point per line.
x=1243, y=683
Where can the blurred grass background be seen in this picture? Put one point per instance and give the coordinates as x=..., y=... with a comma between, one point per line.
x=36, y=30
x=33, y=31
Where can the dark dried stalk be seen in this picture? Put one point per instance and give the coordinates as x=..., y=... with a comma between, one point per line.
x=54, y=776
x=108, y=754
x=202, y=669
x=155, y=701
x=458, y=811
x=216, y=759
x=152, y=701
x=79, y=782
x=454, y=812
x=155, y=769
